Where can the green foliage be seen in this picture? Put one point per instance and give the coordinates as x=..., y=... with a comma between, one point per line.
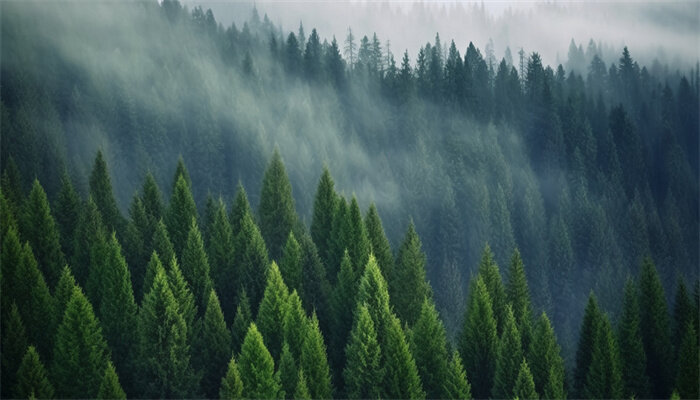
x=195, y=267
x=302, y=390
x=257, y=369
x=547, y=365
x=408, y=285
x=81, y=351
x=341, y=232
x=683, y=313
x=633, y=360
x=363, y=373
x=518, y=295
x=510, y=355
x=356, y=241
x=221, y=255
x=7, y=215
x=489, y=272
x=181, y=212
x=288, y=371
x=429, y=348
x=456, y=385
x=88, y=232
x=524, y=386
x=101, y=192
x=152, y=199
x=373, y=293
x=688, y=364
x=401, y=379
x=39, y=227
x=110, y=387
x=64, y=290
x=231, y=384
x=478, y=343
x=322, y=219
x=10, y=259
x=239, y=209
x=214, y=347
x=315, y=288
x=163, y=246
x=151, y=269
x=273, y=309
x=342, y=302
x=380, y=244
x=14, y=344
x=586, y=344
x=184, y=299
x=67, y=211
x=181, y=171
x=314, y=363
x=604, y=380
x=251, y=259
x=32, y=380
x=241, y=322
x=290, y=264
x=295, y=325
x=276, y=209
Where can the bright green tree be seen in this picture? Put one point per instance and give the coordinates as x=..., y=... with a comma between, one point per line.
x=373, y=293
x=604, y=380
x=288, y=371
x=363, y=373
x=315, y=288
x=241, y=322
x=302, y=390
x=586, y=344
x=163, y=246
x=518, y=295
x=290, y=264
x=295, y=325
x=276, y=209
x=257, y=368
x=510, y=355
x=151, y=269
x=633, y=360
x=110, y=387
x=221, y=256
x=314, y=362
x=239, y=209
x=338, y=240
x=180, y=213
x=380, y=244
x=688, y=364
x=231, y=385
x=195, y=267
x=272, y=311
x=408, y=285
x=490, y=273
x=356, y=242
x=524, y=386
x=184, y=298
x=251, y=259
x=80, y=351
x=429, y=347
x=214, y=345
x=32, y=380
x=322, y=219
x=456, y=385
x=546, y=363
x=101, y=192
x=401, y=379
x=181, y=171
x=64, y=290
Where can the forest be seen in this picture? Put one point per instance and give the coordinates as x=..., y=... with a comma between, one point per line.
x=193, y=210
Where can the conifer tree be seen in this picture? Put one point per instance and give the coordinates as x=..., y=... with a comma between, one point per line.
x=314, y=362
x=655, y=330
x=214, y=346
x=342, y=300
x=338, y=240
x=181, y=212
x=231, y=385
x=478, y=343
x=302, y=390
x=221, y=256
x=604, y=380
x=257, y=369
x=181, y=171
x=14, y=345
x=137, y=241
x=683, y=313
x=163, y=246
x=151, y=269
x=586, y=344
x=64, y=290
x=288, y=372
x=251, y=259
x=152, y=199
x=546, y=363
x=524, y=386
x=488, y=270
x=32, y=380
x=429, y=348
x=11, y=184
x=241, y=322
x=401, y=379
x=356, y=241
x=80, y=351
x=10, y=259
x=373, y=293
x=510, y=355
x=456, y=385
x=184, y=299
x=290, y=264
x=295, y=325
x=195, y=267
x=89, y=231
x=110, y=387
x=380, y=244
x=101, y=192
x=239, y=209
x=688, y=364
x=273, y=309
x=276, y=209
x=409, y=286
x=633, y=360
x=39, y=227
x=363, y=373
x=67, y=212
x=322, y=219
x=164, y=354
x=7, y=215
x=315, y=288
x=518, y=295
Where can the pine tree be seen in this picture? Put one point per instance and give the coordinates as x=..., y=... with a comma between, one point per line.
x=429, y=348
x=184, y=299
x=14, y=344
x=195, y=267
x=272, y=311
x=101, y=192
x=163, y=246
x=518, y=294
x=322, y=219
x=356, y=242
x=655, y=330
x=380, y=244
x=339, y=237
x=302, y=390
x=314, y=362
x=251, y=259
x=586, y=344
x=276, y=209
x=11, y=184
x=239, y=209
x=510, y=355
x=409, y=287
x=479, y=341
x=373, y=293
x=342, y=300
x=88, y=232
x=10, y=259
x=363, y=373
x=81, y=350
x=288, y=372
x=39, y=227
x=633, y=360
x=547, y=365
x=64, y=290
x=315, y=288
x=110, y=387
x=295, y=325
x=257, y=369
x=67, y=213
x=221, y=256
x=137, y=241
x=524, y=386
x=688, y=364
x=682, y=315
x=164, y=354
x=32, y=380
x=604, y=380
x=401, y=379
x=231, y=385
x=214, y=345
x=290, y=264
x=488, y=270
x=7, y=215
x=181, y=171
x=456, y=385
x=151, y=269
x=152, y=199
x=180, y=214
x=241, y=322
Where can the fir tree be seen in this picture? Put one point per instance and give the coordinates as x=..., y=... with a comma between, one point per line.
x=110, y=387
x=682, y=315
x=313, y=361
x=489, y=272
x=290, y=264
x=241, y=322
x=7, y=215
x=322, y=219
x=239, y=209
x=184, y=299
x=401, y=379
x=409, y=287
x=342, y=300
x=67, y=212
x=339, y=237
x=11, y=184
x=586, y=344
x=163, y=246
x=214, y=346
x=380, y=244
x=81, y=350
x=101, y=192
x=39, y=227
x=32, y=380
x=688, y=364
x=151, y=269
x=373, y=293
x=257, y=369
x=456, y=385
x=180, y=214
x=251, y=259
x=64, y=290
x=231, y=384
x=510, y=355
x=315, y=288
x=356, y=240
x=518, y=295
x=288, y=372
x=547, y=365
x=195, y=267
x=524, y=386
x=363, y=373
x=302, y=389
x=89, y=230
x=479, y=341
x=152, y=199
x=276, y=209
x=14, y=344
x=295, y=325
x=633, y=360
x=273, y=309
x=221, y=256
x=429, y=348
x=181, y=171
x=10, y=259
x=603, y=380
x=137, y=241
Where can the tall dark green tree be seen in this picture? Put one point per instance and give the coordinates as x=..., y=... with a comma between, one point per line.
x=152, y=198
x=546, y=363
x=101, y=192
x=67, y=211
x=632, y=358
x=603, y=380
x=272, y=311
x=429, y=348
x=380, y=244
x=32, y=379
x=90, y=229
x=510, y=355
x=241, y=322
x=586, y=344
x=110, y=388
x=221, y=255
x=184, y=298
x=363, y=372
x=257, y=368
x=231, y=385
x=276, y=209
x=162, y=245
x=288, y=372
x=214, y=347
x=322, y=219
x=688, y=364
x=518, y=295
x=239, y=209
x=356, y=241
x=290, y=264
x=342, y=300
x=524, y=386
x=409, y=287
x=314, y=362
x=401, y=380
x=14, y=345
x=251, y=259
x=195, y=267
x=181, y=212
x=491, y=275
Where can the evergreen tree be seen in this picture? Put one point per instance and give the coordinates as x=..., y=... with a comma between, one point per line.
x=241, y=322
x=342, y=300
x=272, y=311
x=429, y=348
x=524, y=386
x=456, y=385
x=64, y=290
x=295, y=325
x=586, y=344
x=363, y=373
x=409, y=287
x=356, y=240
x=81, y=350
x=164, y=354
x=7, y=215
x=251, y=259
x=184, y=299
x=67, y=212
x=180, y=215
x=547, y=364
x=288, y=371
x=163, y=246
x=151, y=269
x=401, y=379
x=14, y=344
x=195, y=267
x=656, y=330
x=688, y=364
x=89, y=230
x=221, y=256
x=313, y=361
x=10, y=259
x=39, y=227
x=152, y=199
x=302, y=390
x=290, y=264
x=137, y=241
x=315, y=288
x=682, y=315
x=518, y=295
x=214, y=345
x=510, y=355
x=380, y=244
x=633, y=360
x=603, y=380
x=239, y=209
x=11, y=184
x=276, y=209
x=479, y=341
x=110, y=387
x=231, y=384
x=322, y=219
x=257, y=369
x=32, y=380
x=489, y=272
x=373, y=293
x=339, y=238
x=181, y=171
x=101, y=192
